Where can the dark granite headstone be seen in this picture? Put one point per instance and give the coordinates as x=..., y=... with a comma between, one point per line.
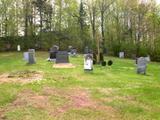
x=53, y=52
x=62, y=57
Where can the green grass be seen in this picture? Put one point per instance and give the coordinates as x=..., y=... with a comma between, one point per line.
x=133, y=96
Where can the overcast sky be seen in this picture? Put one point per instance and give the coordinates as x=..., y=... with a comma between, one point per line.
x=158, y=1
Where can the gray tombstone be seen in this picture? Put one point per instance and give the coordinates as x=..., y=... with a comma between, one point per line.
x=31, y=59
x=141, y=65
x=88, y=62
x=62, y=57
x=30, y=56
x=121, y=54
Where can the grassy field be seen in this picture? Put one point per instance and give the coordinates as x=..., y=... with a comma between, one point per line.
x=115, y=93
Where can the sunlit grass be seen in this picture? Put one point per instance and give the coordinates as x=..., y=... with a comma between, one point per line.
x=133, y=96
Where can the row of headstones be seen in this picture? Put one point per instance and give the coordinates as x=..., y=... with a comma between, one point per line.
x=62, y=57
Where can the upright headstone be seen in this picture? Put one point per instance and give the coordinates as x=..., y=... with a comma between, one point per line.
x=18, y=48
x=26, y=56
x=121, y=54
x=141, y=65
x=62, y=57
x=31, y=59
x=30, y=56
x=86, y=50
x=53, y=52
x=88, y=62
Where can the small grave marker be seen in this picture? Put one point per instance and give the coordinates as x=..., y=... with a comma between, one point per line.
x=18, y=48
x=121, y=54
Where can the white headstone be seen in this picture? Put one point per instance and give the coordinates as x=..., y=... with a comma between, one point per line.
x=88, y=62
x=18, y=48
x=26, y=56
x=121, y=54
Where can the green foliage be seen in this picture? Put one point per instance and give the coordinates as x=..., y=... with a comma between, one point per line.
x=42, y=23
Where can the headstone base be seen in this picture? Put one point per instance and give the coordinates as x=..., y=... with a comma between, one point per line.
x=64, y=65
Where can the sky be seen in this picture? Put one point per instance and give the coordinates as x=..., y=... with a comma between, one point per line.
x=158, y=1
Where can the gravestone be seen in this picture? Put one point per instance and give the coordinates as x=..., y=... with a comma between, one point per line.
x=53, y=52
x=88, y=62
x=26, y=56
x=18, y=48
x=62, y=57
x=148, y=59
x=69, y=49
x=141, y=65
x=31, y=59
x=86, y=50
x=121, y=54
x=30, y=56
x=73, y=52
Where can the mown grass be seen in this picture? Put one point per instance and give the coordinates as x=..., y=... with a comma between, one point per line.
x=134, y=97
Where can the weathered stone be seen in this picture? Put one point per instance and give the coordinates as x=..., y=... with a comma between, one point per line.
x=141, y=65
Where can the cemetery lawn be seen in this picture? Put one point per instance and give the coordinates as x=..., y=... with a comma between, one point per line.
x=107, y=93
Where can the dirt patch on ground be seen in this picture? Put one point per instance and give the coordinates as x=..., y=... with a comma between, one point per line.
x=57, y=101
x=21, y=77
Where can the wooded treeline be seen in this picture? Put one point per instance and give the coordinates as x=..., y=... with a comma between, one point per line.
x=132, y=26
